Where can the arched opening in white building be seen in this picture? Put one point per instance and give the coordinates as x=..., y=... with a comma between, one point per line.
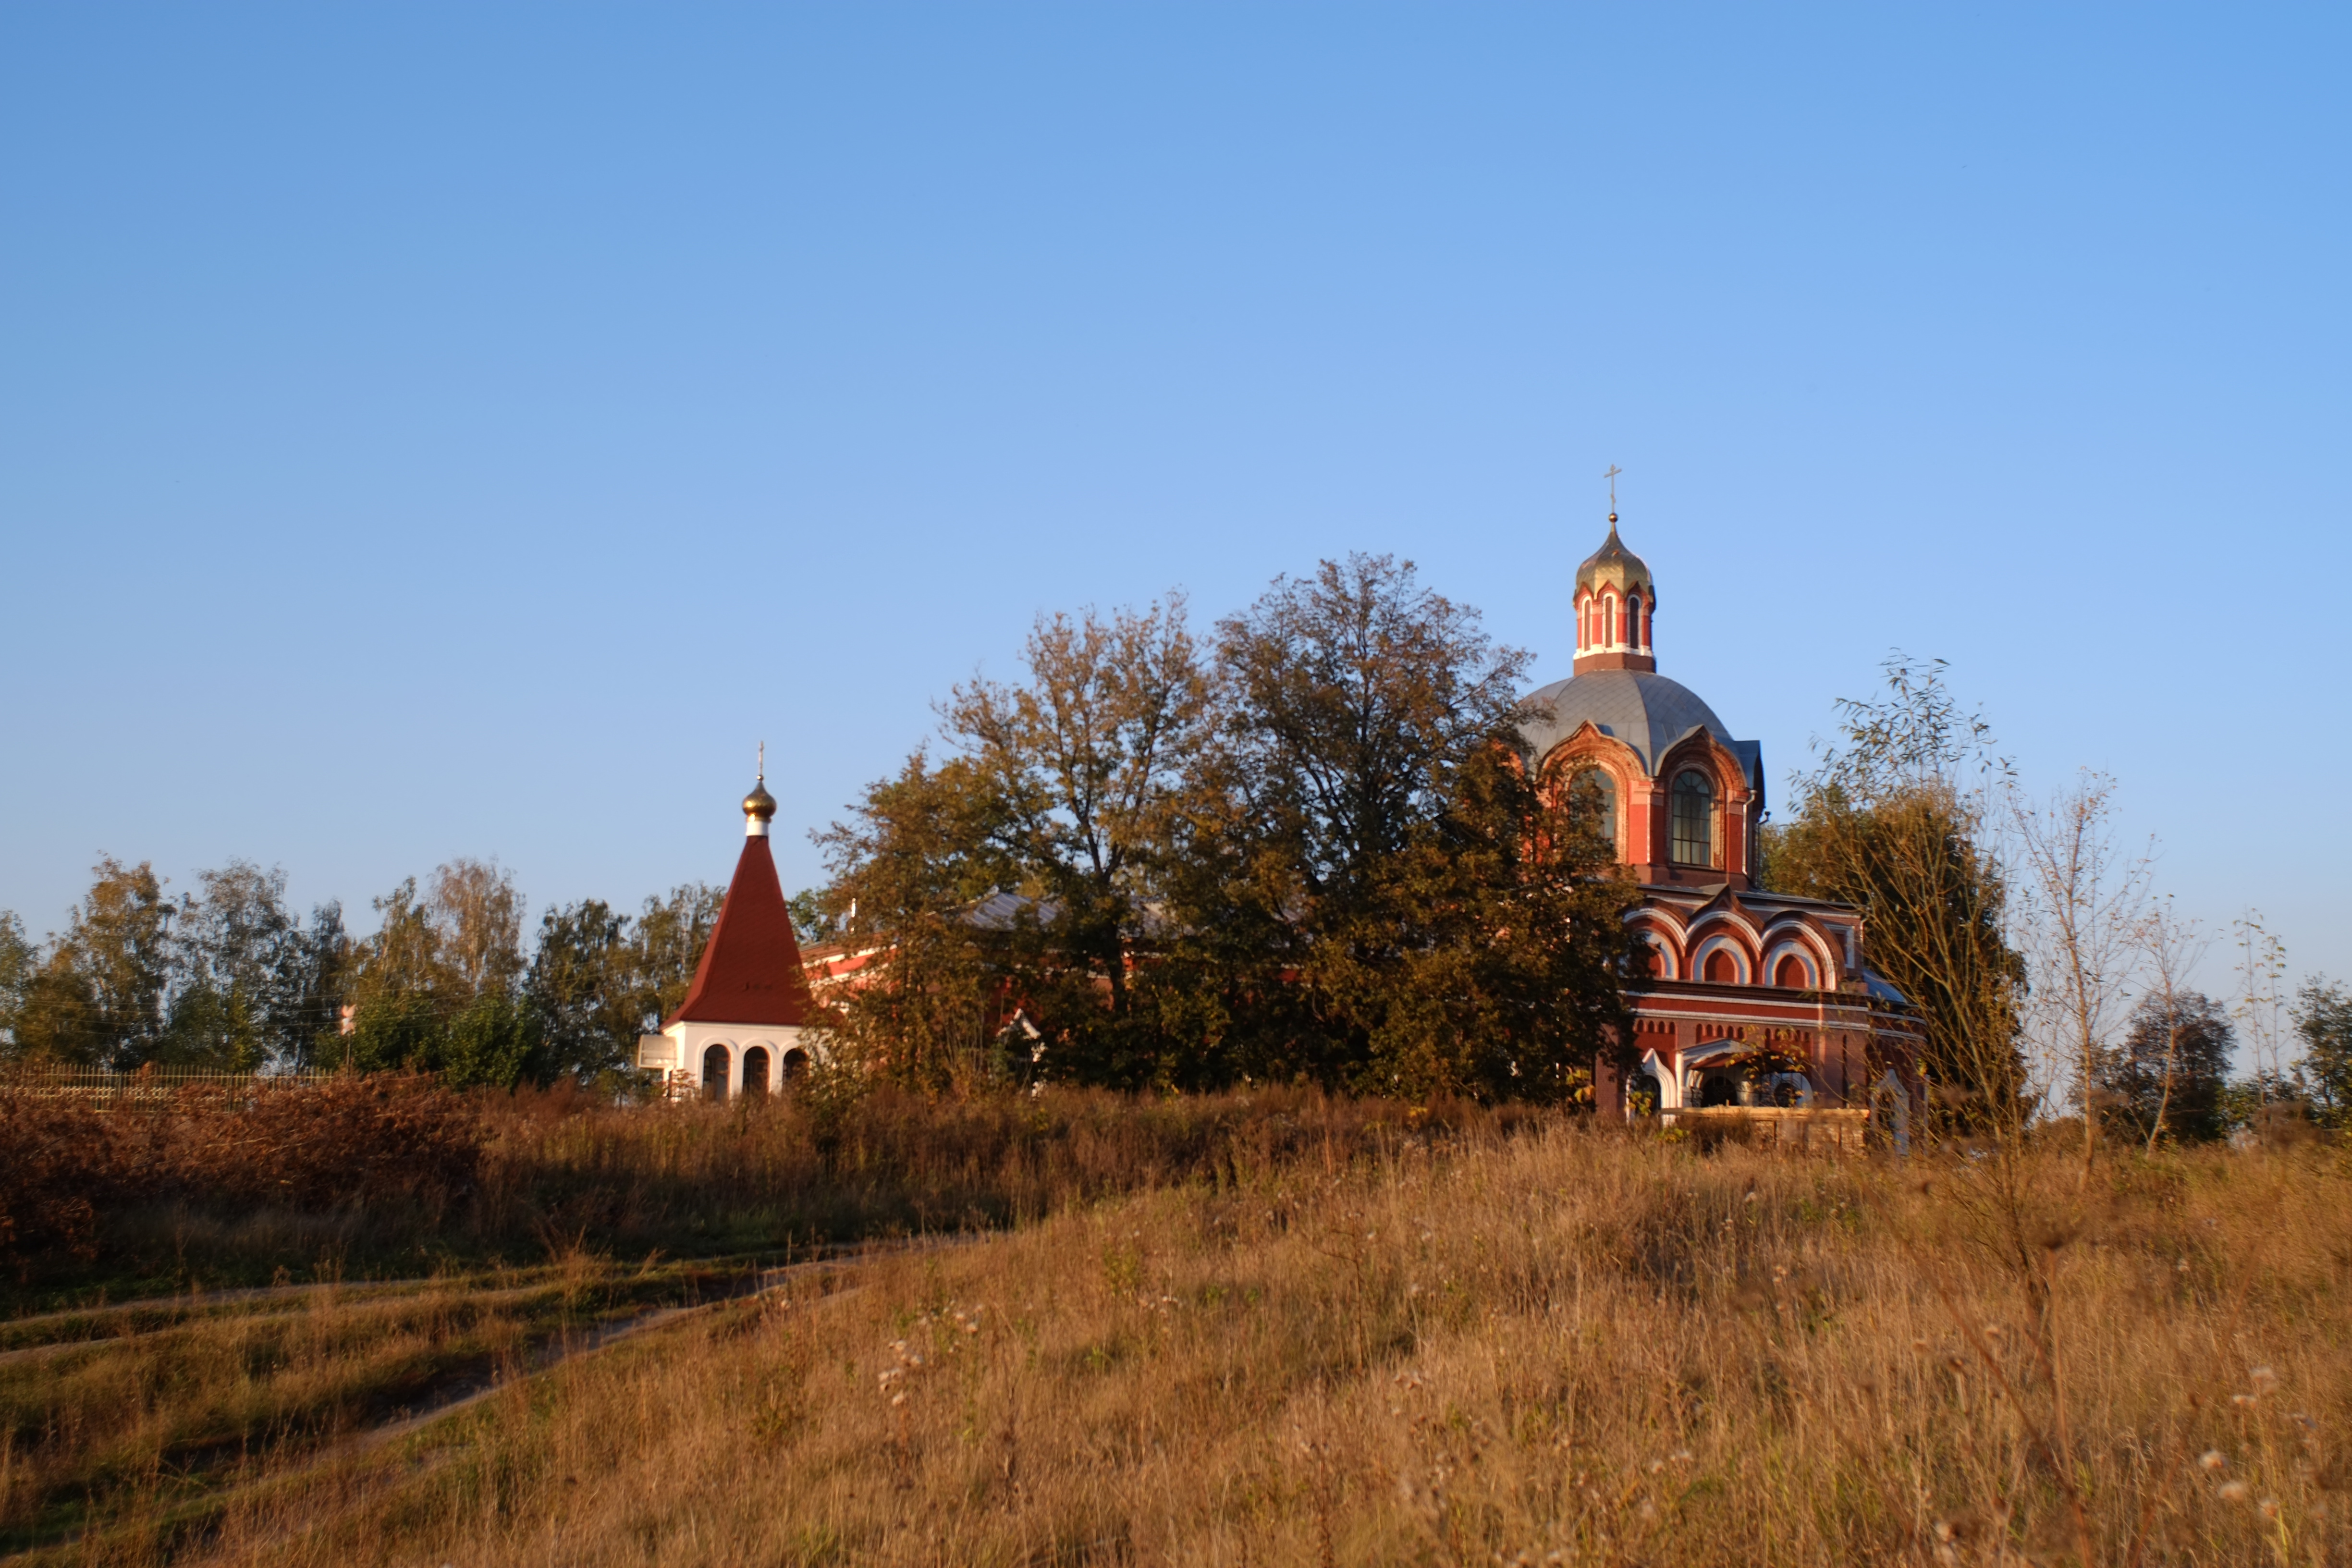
x=755, y=1071
x=714, y=1073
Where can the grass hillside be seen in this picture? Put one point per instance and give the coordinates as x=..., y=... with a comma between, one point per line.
x=1548, y=1344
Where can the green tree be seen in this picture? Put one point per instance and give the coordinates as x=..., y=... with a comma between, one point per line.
x=98, y=997
x=1486, y=960
x=433, y=956
x=18, y=960
x=234, y=945
x=583, y=990
x=1382, y=894
x=492, y=1042
x=2172, y=1065
x=813, y=917
x=665, y=944
x=2323, y=1021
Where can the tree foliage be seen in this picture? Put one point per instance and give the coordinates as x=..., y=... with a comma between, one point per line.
x=2167, y=1076
x=1312, y=852
x=1893, y=820
x=2323, y=1023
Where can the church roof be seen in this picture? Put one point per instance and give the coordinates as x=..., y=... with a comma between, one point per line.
x=751, y=973
x=1647, y=711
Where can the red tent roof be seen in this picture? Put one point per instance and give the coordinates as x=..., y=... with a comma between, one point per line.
x=751, y=973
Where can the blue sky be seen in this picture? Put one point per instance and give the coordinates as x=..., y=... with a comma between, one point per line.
x=468, y=431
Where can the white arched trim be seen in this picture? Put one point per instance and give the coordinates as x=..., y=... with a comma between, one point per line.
x=1789, y=948
x=1737, y=919
x=1826, y=966
x=1665, y=916
x=1743, y=971
x=1663, y=946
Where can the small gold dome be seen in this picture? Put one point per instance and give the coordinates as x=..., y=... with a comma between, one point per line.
x=1614, y=563
x=760, y=805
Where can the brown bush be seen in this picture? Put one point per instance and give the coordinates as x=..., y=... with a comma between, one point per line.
x=74, y=1166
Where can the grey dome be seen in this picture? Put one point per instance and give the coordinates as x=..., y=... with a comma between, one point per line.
x=1648, y=712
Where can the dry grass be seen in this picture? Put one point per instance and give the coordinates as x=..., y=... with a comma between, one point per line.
x=1560, y=1346
x=386, y=1176
x=173, y=1402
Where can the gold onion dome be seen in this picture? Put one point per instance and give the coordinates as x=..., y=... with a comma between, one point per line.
x=1614, y=563
x=760, y=805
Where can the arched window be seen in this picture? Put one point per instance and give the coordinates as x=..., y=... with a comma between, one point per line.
x=1722, y=969
x=1608, y=619
x=716, y=1065
x=755, y=1071
x=1790, y=973
x=1633, y=621
x=1583, y=625
x=1595, y=790
x=1694, y=818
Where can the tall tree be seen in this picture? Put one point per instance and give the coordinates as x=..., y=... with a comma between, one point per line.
x=1897, y=820
x=1387, y=900
x=914, y=869
x=584, y=987
x=436, y=987
x=18, y=959
x=233, y=949
x=1085, y=766
x=2167, y=1074
x=665, y=945
x=98, y=997
x=2323, y=1023
x=477, y=912
x=2084, y=911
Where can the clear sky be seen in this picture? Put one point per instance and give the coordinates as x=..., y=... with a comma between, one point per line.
x=434, y=431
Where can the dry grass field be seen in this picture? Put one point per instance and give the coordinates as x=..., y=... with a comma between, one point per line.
x=1546, y=1343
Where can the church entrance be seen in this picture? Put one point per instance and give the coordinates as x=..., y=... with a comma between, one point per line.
x=755, y=1072
x=714, y=1073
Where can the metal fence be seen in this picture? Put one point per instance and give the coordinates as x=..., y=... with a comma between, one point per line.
x=148, y=1083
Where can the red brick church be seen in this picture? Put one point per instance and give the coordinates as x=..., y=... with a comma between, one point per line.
x=1732, y=968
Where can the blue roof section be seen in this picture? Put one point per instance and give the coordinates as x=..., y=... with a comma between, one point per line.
x=1647, y=711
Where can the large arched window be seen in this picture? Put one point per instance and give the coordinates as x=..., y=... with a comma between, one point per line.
x=1694, y=818
x=1595, y=790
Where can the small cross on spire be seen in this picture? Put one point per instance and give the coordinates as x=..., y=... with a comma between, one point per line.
x=763, y=761
x=1612, y=477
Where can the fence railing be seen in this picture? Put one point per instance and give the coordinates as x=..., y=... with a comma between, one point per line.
x=148, y=1083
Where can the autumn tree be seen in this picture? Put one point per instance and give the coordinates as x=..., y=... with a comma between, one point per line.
x=916, y=867
x=1898, y=820
x=1083, y=767
x=1381, y=895
x=98, y=997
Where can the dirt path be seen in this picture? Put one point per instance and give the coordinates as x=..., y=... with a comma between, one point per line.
x=461, y=1396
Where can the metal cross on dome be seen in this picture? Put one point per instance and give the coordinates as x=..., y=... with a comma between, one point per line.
x=1612, y=477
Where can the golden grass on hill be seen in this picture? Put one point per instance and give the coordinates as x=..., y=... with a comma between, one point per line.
x=390, y=1177
x=1569, y=1345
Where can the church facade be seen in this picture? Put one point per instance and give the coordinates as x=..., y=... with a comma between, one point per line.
x=1737, y=975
